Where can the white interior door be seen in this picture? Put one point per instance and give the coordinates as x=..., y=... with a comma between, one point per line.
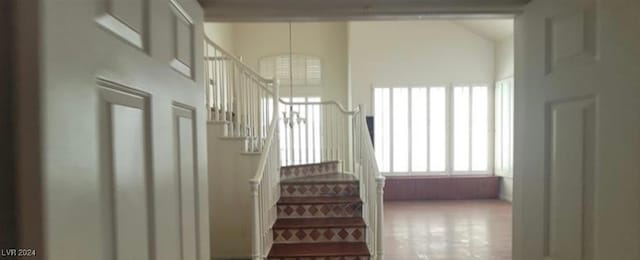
x=123, y=130
x=577, y=131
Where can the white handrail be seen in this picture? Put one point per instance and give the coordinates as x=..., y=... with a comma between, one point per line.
x=235, y=60
x=263, y=159
x=265, y=188
x=238, y=96
x=265, y=194
x=371, y=186
x=328, y=102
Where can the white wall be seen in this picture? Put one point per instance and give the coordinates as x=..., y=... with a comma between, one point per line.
x=415, y=52
x=504, y=58
x=230, y=202
x=327, y=40
x=221, y=34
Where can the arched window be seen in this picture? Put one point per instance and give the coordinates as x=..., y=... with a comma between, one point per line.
x=307, y=70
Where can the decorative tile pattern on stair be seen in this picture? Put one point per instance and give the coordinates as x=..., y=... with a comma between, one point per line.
x=319, y=215
x=294, y=171
x=324, y=258
x=319, y=189
x=338, y=210
x=310, y=235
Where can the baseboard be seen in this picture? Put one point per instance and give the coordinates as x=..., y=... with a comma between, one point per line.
x=442, y=188
x=506, y=198
x=506, y=188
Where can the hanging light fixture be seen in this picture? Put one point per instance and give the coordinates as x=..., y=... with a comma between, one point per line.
x=292, y=117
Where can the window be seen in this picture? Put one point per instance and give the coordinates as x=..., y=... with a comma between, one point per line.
x=471, y=129
x=504, y=127
x=432, y=130
x=307, y=70
x=303, y=140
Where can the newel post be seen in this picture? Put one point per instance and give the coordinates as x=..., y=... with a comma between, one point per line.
x=380, y=180
x=256, y=241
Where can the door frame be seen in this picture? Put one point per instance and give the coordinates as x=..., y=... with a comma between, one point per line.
x=21, y=23
x=515, y=13
x=8, y=219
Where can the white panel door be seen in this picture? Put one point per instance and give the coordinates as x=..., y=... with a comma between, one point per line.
x=115, y=184
x=577, y=131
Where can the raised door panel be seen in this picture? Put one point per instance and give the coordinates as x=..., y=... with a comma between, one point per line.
x=130, y=12
x=129, y=182
x=186, y=179
x=126, y=177
x=182, y=33
x=570, y=180
x=128, y=19
x=570, y=36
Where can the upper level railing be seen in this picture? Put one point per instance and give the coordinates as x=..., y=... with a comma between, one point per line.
x=238, y=96
x=320, y=133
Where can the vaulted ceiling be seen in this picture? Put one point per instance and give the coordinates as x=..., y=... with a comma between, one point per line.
x=492, y=29
x=283, y=10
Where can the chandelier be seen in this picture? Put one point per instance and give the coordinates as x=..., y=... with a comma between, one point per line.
x=291, y=117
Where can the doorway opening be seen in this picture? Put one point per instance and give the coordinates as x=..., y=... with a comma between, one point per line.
x=439, y=97
x=442, y=106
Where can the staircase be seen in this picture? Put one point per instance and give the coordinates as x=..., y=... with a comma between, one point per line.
x=319, y=215
x=308, y=200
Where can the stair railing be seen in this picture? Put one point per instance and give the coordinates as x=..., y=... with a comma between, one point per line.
x=265, y=192
x=238, y=96
x=340, y=135
x=320, y=133
x=371, y=185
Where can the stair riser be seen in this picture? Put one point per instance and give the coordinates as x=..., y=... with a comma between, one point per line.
x=324, y=258
x=320, y=210
x=316, y=235
x=290, y=172
x=319, y=190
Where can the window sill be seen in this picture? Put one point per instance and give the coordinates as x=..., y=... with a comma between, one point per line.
x=457, y=176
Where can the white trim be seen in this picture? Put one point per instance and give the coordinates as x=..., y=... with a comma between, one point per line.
x=181, y=11
x=121, y=29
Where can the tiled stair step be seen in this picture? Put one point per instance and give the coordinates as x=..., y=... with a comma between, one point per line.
x=335, y=184
x=314, y=230
x=304, y=170
x=319, y=207
x=320, y=251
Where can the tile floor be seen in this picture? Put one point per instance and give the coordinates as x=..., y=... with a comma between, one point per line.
x=447, y=230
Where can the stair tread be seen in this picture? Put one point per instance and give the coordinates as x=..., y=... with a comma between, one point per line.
x=319, y=249
x=319, y=222
x=319, y=200
x=324, y=178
